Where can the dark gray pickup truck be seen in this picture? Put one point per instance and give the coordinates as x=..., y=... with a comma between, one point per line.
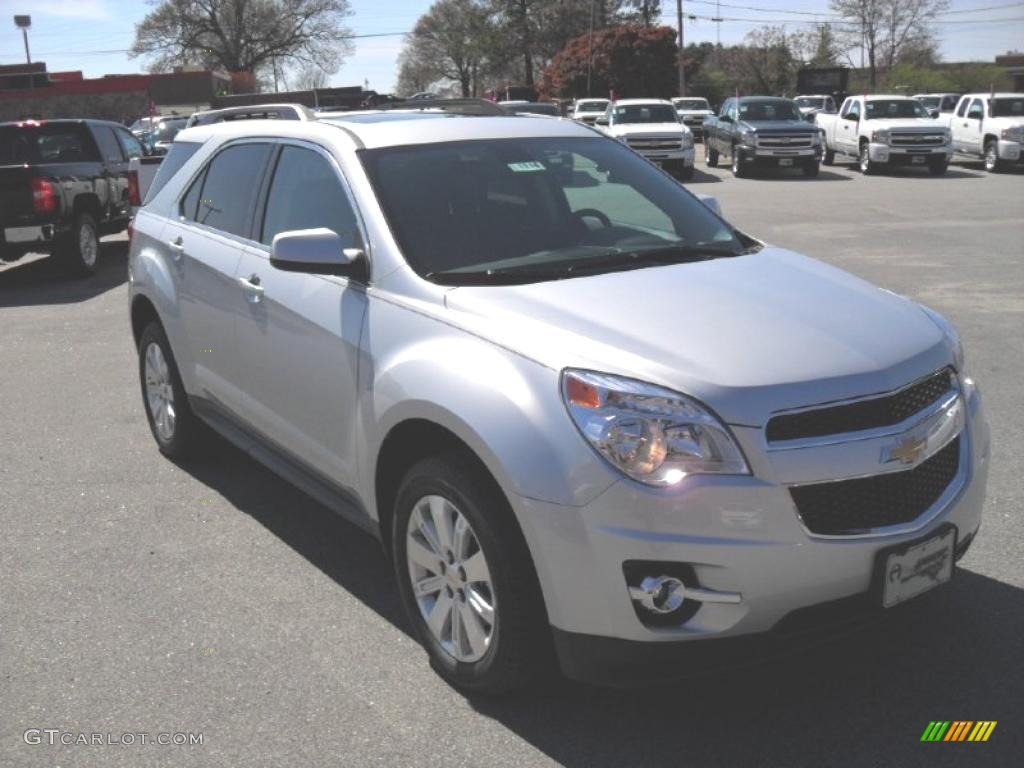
x=64, y=184
x=762, y=132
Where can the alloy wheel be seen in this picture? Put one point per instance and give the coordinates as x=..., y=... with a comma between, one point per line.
x=991, y=157
x=159, y=392
x=88, y=246
x=450, y=578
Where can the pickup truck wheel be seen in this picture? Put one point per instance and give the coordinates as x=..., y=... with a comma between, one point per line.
x=938, y=167
x=81, y=247
x=992, y=162
x=737, y=164
x=170, y=418
x=828, y=156
x=466, y=577
x=710, y=155
x=683, y=172
x=811, y=169
x=866, y=164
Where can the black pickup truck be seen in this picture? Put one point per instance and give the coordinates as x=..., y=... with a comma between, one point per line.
x=762, y=131
x=64, y=184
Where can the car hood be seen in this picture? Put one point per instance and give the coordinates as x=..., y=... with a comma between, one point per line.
x=780, y=126
x=748, y=335
x=924, y=123
x=646, y=129
x=689, y=112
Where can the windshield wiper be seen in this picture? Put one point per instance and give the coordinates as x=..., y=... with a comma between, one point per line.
x=559, y=270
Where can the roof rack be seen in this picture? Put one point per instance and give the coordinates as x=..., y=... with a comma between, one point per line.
x=478, y=107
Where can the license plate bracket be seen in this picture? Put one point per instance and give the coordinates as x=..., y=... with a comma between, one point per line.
x=917, y=158
x=785, y=161
x=910, y=569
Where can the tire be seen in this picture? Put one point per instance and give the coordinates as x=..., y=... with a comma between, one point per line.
x=175, y=428
x=81, y=247
x=509, y=651
x=937, y=168
x=737, y=164
x=710, y=155
x=811, y=169
x=992, y=162
x=828, y=156
x=867, y=166
x=683, y=172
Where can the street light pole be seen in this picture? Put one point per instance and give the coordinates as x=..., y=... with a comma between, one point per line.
x=682, y=73
x=23, y=23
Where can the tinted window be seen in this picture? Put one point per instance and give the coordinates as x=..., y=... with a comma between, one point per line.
x=190, y=202
x=948, y=102
x=177, y=156
x=47, y=143
x=977, y=110
x=1008, y=106
x=306, y=194
x=132, y=147
x=881, y=109
x=768, y=110
x=551, y=206
x=109, y=147
x=963, y=108
x=232, y=181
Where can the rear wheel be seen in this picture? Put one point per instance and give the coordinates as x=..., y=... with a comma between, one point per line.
x=710, y=154
x=992, y=162
x=81, y=247
x=466, y=577
x=174, y=426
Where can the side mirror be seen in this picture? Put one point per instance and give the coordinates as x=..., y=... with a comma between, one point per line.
x=711, y=202
x=725, y=119
x=316, y=251
x=602, y=120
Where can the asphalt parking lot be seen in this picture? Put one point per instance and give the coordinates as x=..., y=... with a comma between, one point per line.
x=140, y=596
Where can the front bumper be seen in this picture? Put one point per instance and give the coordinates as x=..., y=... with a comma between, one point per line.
x=740, y=535
x=684, y=156
x=774, y=158
x=1010, y=150
x=884, y=153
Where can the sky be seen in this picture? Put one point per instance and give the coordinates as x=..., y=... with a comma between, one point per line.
x=93, y=35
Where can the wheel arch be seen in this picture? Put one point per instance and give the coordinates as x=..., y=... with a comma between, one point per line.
x=143, y=312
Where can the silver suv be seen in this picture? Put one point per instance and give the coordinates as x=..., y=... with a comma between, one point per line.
x=589, y=420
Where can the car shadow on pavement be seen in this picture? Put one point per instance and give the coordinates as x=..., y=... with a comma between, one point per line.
x=702, y=177
x=44, y=280
x=861, y=700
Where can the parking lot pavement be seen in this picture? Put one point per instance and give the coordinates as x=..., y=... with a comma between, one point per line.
x=141, y=596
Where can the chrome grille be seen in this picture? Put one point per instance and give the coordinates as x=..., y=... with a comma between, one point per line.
x=664, y=142
x=917, y=139
x=784, y=141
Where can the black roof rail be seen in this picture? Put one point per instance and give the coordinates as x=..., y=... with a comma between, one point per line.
x=468, y=106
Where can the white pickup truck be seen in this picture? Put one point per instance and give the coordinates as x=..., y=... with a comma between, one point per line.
x=884, y=131
x=989, y=127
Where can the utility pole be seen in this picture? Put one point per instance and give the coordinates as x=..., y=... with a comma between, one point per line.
x=590, y=48
x=682, y=73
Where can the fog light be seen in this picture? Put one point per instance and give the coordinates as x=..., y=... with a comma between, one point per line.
x=659, y=594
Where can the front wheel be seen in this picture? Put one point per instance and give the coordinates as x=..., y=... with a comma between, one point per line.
x=683, y=172
x=710, y=154
x=828, y=155
x=992, y=162
x=811, y=169
x=938, y=167
x=866, y=164
x=466, y=577
x=737, y=163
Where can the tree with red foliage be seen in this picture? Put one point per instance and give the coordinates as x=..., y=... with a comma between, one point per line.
x=631, y=60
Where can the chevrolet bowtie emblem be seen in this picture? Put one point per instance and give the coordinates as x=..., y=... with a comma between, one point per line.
x=906, y=451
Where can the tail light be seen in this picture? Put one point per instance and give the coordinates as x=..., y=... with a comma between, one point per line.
x=134, y=198
x=44, y=197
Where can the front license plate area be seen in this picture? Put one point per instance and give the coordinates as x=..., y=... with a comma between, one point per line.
x=917, y=159
x=909, y=570
x=785, y=161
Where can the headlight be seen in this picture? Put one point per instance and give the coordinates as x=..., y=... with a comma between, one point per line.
x=687, y=140
x=651, y=434
x=748, y=137
x=815, y=139
x=947, y=134
x=880, y=136
x=1014, y=133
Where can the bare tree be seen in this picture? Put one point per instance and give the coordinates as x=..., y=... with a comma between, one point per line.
x=449, y=41
x=882, y=28
x=245, y=35
x=309, y=77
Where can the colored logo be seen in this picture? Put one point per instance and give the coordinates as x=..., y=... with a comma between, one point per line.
x=958, y=730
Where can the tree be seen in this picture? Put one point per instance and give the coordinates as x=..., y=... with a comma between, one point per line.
x=817, y=47
x=449, y=42
x=883, y=28
x=631, y=60
x=310, y=77
x=245, y=35
x=644, y=12
x=768, y=59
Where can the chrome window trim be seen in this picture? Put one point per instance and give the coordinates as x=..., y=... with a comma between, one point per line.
x=949, y=497
x=837, y=438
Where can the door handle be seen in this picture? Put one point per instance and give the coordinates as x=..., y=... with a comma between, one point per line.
x=253, y=287
x=177, y=248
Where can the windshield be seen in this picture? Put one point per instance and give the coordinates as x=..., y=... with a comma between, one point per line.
x=592, y=106
x=811, y=102
x=645, y=113
x=529, y=210
x=1008, y=107
x=769, y=110
x=537, y=108
x=929, y=102
x=167, y=130
x=691, y=104
x=884, y=109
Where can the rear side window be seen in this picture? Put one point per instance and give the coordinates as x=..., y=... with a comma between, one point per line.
x=46, y=143
x=131, y=145
x=305, y=194
x=229, y=191
x=179, y=154
x=109, y=147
